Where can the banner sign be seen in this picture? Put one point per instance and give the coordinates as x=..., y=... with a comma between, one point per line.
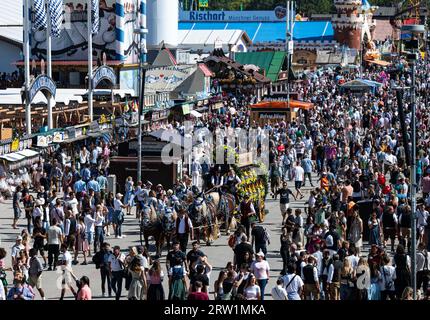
x=42, y=83
x=166, y=78
x=117, y=20
x=104, y=73
x=277, y=15
x=15, y=145
x=278, y=116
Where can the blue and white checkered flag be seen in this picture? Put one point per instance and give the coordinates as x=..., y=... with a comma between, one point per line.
x=39, y=15
x=56, y=13
x=95, y=16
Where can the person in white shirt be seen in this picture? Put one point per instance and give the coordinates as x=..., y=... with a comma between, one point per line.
x=89, y=230
x=318, y=255
x=116, y=268
x=2, y=292
x=352, y=257
x=55, y=238
x=16, y=248
x=184, y=228
x=278, y=292
x=422, y=216
x=299, y=176
x=292, y=283
x=423, y=267
x=98, y=228
x=73, y=203
x=118, y=217
x=388, y=275
x=65, y=261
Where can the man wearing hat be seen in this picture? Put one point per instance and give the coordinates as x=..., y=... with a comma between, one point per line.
x=118, y=217
x=184, y=228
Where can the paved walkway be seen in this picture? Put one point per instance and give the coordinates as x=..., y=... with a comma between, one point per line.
x=219, y=253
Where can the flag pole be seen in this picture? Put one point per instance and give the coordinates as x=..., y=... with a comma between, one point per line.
x=27, y=64
x=90, y=61
x=49, y=60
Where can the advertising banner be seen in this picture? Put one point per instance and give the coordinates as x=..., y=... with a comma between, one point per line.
x=115, y=36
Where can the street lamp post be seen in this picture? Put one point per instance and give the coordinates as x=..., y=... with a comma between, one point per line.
x=142, y=75
x=415, y=31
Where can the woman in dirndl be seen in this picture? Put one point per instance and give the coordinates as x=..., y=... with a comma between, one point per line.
x=156, y=275
x=177, y=284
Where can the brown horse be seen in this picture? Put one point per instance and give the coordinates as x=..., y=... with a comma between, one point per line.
x=150, y=225
x=224, y=207
x=204, y=221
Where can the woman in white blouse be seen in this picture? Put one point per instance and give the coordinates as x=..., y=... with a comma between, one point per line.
x=252, y=290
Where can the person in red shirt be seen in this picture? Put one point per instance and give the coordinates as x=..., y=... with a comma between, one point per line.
x=198, y=294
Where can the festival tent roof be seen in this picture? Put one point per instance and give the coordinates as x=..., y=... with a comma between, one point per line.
x=361, y=83
x=269, y=31
x=269, y=61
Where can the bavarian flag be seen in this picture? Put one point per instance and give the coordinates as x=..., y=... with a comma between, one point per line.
x=203, y=3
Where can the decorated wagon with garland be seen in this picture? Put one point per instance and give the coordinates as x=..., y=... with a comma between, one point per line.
x=254, y=179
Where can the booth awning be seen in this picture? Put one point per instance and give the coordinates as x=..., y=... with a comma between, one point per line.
x=18, y=156
x=284, y=104
x=196, y=114
x=361, y=84
x=379, y=62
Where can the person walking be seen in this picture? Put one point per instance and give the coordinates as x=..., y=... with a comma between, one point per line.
x=101, y=260
x=310, y=279
x=35, y=273
x=299, y=176
x=308, y=167
x=260, y=268
x=423, y=267
x=388, y=276
x=116, y=269
x=55, y=239
x=293, y=283
x=177, y=283
x=259, y=238
x=184, y=228
x=138, y=285
x=118, y=216
x=252, y=291
x=17, y=210
x=284, y=199
x=84, y=292
x=247, y=210
x=155, y=279
x=278, y=292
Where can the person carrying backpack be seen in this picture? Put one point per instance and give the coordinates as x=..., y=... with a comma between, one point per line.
x=100, y=259
x=260, y=237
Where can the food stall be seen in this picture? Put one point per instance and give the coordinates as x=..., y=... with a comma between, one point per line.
x=277, y=111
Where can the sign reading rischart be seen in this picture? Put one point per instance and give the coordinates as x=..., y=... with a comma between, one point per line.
x=104, y=73
x=42, y=83
x=233, y=16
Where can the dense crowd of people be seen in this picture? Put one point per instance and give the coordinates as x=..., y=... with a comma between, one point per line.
x=351, y=240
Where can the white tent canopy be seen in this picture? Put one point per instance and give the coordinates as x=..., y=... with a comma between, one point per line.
x=196, y=114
